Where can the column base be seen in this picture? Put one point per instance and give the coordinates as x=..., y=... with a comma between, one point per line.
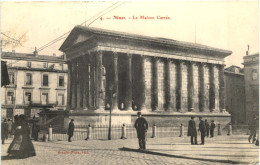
x=191, y=110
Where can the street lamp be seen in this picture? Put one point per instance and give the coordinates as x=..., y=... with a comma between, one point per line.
x=110, y=111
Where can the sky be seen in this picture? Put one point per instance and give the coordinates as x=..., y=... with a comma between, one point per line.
x=229, y=25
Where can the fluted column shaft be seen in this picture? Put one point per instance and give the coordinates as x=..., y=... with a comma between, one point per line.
x=201, y=88
x=190, y=87
x=69, y=86
x=128, y=101
x=115, y=82
x=74, y=85
x=154, y=84
x=179, y=86
x=92, y=82
x=86, y=82
x=142, y=83
x=167, y=88
x=211, y=88
x=99, y=88
x=221, y=89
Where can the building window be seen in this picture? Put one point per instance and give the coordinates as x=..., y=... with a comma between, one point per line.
x=29, y=64
x=254, y=75
x=28, y=97
x=45, y=80
x=61, y=66
x=44, y=98
x=61, y=81
x=45, y=65
x=60, y=99
x=11, y=78
x=28, y=79
x=10, y=97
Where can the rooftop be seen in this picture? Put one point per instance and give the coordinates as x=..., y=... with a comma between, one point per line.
x=33, y=57
x=122, y=35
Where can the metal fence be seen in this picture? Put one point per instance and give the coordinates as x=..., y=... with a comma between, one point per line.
x=101, y=132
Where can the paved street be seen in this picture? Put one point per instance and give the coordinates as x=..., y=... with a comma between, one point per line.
x=173, y=150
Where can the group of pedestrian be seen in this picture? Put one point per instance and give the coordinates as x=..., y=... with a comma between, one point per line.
x=21, y=146
x=204, y=130
x=6, y=129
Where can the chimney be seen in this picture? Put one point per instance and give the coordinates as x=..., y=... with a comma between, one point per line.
x=54, y=55
x=35, y=53
x=247, y=52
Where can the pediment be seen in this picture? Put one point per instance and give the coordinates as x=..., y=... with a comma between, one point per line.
x=81, y=38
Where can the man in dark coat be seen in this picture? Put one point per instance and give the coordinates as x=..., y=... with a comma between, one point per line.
x=141, y=126
x=212, y=127
x=202, y=129
x=4, y=131
x=192, y=131
x=207, y=127
x=71, y=129
x=252, y=128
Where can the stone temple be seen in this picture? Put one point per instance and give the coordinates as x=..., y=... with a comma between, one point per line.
x=167, y=80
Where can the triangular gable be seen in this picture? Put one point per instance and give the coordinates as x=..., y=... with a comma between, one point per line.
x=80, y=38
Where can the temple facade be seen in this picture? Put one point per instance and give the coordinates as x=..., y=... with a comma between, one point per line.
x=167, y=80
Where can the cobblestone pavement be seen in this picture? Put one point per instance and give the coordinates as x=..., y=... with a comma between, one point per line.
x=103, y=152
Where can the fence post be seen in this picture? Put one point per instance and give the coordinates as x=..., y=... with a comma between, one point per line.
x=123, y=132
x=154, y=131
x=219, y=129
x=89, y=132
x=229, y=129
x=181, y=130
x=50, y=133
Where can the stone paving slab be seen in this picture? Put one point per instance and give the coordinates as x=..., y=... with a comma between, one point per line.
x=104, y=152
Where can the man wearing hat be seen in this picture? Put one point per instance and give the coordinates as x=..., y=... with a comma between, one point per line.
x=202, y=129
x=141, y=126
x=71, y=130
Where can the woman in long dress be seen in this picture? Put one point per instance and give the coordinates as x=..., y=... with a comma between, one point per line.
x=21, y=146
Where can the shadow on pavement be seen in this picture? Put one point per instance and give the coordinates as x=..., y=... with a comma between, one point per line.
x=178, y=156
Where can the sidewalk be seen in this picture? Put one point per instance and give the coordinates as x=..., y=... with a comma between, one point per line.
x=175, y=150
x=223, y=149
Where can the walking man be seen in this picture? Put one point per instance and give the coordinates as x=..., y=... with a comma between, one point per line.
x=212, y=127
x=9, y=123
x=141, y=126
x=252, y=128
x=71, y=129
x=207, y=127
x=4, y=131
x=202, y=129
x=192, y=131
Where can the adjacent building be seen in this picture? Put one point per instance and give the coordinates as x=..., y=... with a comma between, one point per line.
x=167, y=80
x=251, y=70
x=36, y=82
x=235, y=94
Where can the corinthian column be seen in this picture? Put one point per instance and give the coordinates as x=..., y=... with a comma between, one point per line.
x=201, y=88
x=190, y=87
x=179, y=86
x=211, y=88
x=142, y=83
x=69, y=87
x=155, y=84
x=221, y=89
x=99, y=89
x=86, y=82
x=115, y=82
x=167, y=85
x=128, y=101
x=74, y=85
x=92, y=82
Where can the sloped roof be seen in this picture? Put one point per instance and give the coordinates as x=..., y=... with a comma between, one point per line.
x=123, y=35
x=27, y=56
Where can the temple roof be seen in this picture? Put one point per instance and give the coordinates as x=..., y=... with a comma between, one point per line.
x=128, y=36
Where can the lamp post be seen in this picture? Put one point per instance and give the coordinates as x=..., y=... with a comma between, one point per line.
x=110, y=111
